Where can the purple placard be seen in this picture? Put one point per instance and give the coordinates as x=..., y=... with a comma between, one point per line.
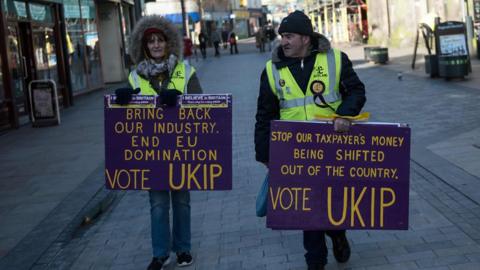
x=322, y=180
x=187, y=147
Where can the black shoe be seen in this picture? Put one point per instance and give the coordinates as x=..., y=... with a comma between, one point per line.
x=184, y=259
x=158, y=263
x=341, y=248
x=315, y=267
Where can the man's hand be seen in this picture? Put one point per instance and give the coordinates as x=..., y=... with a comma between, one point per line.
x=341, y=125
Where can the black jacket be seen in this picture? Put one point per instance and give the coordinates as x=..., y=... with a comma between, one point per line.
x=268, y=109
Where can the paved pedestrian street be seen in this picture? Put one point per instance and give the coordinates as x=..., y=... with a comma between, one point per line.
x=444, y=220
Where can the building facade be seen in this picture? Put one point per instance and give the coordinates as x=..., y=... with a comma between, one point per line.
x=69, y=42
x=395, y=22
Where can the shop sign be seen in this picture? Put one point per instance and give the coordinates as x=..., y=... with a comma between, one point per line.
x=44, y=107
x=241, y=14
x=451, y=39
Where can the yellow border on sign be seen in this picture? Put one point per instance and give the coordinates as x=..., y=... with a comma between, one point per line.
x=360, y=118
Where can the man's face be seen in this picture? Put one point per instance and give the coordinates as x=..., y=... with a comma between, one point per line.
x=295, y=45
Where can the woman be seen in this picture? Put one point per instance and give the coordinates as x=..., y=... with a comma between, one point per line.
x=155, y=48
x=233, y=42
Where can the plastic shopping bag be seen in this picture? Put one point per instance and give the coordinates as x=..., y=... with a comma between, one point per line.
x=262, y=198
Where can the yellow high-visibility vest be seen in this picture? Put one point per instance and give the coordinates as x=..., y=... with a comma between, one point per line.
x=179, y=80
x=325, y=76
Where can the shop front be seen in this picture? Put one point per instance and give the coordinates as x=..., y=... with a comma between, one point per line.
x=82, y=45
x=31, y=50
x=46, y=40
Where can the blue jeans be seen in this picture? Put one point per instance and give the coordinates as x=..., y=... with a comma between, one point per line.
x=160, y=222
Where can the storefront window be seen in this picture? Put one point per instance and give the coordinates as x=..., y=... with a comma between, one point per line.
x=15, y=9
x=126, y=24
x=44, y=51
x=91, y=42
x=40, y=13
x=3, y=105
x=75, y=44
x=2, y=90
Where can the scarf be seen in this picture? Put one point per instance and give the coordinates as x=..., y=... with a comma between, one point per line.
x=148, y=68
x=151, y=70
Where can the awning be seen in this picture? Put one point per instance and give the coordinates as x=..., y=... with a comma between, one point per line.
x=177, y=17
x=173, y=10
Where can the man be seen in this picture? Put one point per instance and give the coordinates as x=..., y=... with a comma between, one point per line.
x=216, y=41
x=307, y=77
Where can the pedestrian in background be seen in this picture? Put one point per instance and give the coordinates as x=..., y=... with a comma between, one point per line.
x=155, y=48
x=233, y=42
x=225, y=40
x=304, y=61
x=260, y=39
x=202, y=40
x=187, y=49
x=270, y=35
x=216, y=40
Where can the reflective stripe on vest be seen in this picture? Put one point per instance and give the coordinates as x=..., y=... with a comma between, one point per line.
x=291, y=97
x=179, y=80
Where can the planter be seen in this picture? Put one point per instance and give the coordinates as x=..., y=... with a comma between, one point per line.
x=431, y=65
x=453, y=66
x=379, y=55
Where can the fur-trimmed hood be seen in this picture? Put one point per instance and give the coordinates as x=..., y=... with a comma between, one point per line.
x=174, y=38
x=319, y=44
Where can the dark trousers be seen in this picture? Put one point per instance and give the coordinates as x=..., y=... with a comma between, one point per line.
x=216, y=44
x=316, y=247
x=231, y=48
x=203, y=49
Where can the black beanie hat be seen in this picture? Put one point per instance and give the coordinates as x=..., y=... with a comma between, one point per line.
x=296, y=22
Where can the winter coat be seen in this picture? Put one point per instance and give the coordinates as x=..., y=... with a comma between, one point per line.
x=268, y=109
x=174, y=44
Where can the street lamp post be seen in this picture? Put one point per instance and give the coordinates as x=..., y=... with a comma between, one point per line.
x=184, y=18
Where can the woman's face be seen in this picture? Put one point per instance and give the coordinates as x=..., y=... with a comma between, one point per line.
x=156, y=45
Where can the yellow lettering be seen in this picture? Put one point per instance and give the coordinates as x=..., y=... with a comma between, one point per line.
x=215, y=171
x=384, y=204
x=329, y=206
x=191, y=176
x=354, y=207
x=123, y=178
x=180, y=141
x=170, y=177
x=305, y=199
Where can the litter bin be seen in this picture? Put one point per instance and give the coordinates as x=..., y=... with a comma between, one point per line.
x=379, y=55
x=453, y=66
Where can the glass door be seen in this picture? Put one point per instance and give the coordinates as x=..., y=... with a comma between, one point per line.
x=4, y=112
x=19, y=69
x=44, y=50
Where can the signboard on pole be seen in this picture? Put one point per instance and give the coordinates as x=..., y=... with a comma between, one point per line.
x=323, y=180
x=187, y=147
x=451, y=39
